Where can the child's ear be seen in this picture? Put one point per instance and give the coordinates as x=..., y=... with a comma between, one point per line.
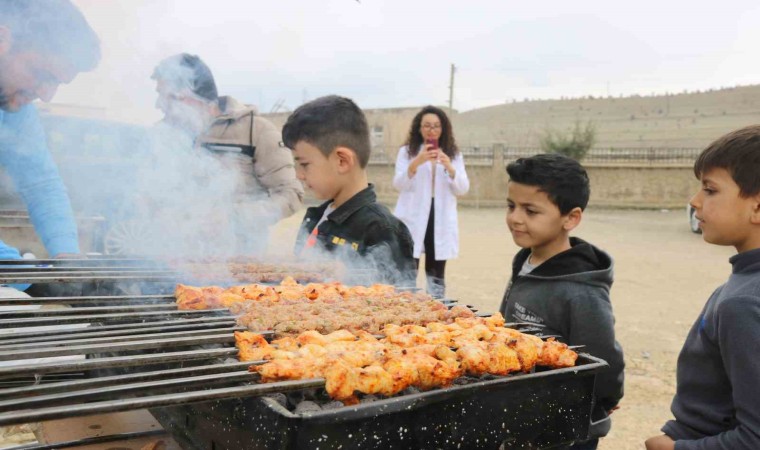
x=346, y=159
x=572, y=219
x=754, y=217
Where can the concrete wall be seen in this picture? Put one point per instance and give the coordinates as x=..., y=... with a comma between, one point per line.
x=626, y=186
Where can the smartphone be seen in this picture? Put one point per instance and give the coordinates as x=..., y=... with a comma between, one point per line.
x=433, y=142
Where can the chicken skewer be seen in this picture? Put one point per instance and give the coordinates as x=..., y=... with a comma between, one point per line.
x=410, y=355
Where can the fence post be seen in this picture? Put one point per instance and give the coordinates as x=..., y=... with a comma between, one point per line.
x=498, y=157
x=497, y=168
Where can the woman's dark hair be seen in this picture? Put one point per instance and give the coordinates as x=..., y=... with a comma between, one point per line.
x=563, y=179
x=738, y=152
x=447, y=143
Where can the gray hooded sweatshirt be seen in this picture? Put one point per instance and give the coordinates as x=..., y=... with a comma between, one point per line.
x=717, y=402
x=570, y=295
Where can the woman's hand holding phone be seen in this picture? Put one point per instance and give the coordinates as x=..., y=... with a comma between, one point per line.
x=429, y=152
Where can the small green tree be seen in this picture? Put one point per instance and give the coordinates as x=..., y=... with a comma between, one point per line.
x=574, y=144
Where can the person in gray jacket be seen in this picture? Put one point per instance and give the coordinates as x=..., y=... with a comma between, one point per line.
x=558, y=281
x=717, y=402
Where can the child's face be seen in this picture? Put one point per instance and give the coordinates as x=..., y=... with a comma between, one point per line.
x=724, y=216
x=317, y=171
x=534, y=221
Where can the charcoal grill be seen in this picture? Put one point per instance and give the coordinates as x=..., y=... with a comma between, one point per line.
x=141, y=352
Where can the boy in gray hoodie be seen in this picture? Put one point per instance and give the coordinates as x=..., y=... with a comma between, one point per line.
x=559, y=281
x=717, y=401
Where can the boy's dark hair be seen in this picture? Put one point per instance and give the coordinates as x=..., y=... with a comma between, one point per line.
x=738, y=152
x=563, y=179
x=329, y=122
x=52, y=28
x=186, y=71
x=447, y=143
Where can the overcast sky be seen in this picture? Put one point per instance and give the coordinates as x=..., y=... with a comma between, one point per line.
x=398, y=53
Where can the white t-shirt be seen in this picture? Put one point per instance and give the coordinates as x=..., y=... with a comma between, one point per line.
x=330, y=208
x=527, y=267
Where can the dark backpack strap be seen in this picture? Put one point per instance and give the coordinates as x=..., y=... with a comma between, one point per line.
x=253, y=147
x=248, y=150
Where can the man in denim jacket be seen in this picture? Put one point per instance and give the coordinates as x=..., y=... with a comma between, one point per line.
x=43, y=44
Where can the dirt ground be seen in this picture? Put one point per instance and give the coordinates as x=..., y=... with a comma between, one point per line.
x=663, y=276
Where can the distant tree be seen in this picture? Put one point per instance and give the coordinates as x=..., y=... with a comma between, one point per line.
x=574, y=144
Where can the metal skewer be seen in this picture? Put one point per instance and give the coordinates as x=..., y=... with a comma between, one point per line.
x=118, y=361
x=128, y=328
x=58, y=412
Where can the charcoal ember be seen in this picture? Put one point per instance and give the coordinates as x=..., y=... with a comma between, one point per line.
x=321, y=396
x=462, y=381
x=332, y=405
x=307, y=406
x=293, y=399
x=231, y=361
x=280, y=398
x=296, y=397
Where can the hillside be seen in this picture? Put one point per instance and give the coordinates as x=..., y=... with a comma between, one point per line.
x=679, y=120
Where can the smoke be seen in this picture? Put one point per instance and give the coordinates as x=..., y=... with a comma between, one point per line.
x=161, y=194
x=182, y=199
x=365, y=266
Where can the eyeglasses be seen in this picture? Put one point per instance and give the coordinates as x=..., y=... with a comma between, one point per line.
x=428, y=126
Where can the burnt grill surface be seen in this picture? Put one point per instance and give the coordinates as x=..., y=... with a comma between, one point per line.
x=138, y=351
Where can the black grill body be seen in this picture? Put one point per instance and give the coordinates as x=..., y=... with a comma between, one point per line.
x=538, y=410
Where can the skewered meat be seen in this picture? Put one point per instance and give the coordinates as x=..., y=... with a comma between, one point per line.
x=557, y=354
x=409, y=355
x=370, y=314
x=479, y=358
x=191, y=297
x=252, y=346
x=250, y=271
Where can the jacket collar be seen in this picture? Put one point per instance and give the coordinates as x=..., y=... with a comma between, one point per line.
x=233, y=109
x=748, y=261
x=581, y=257
x=355, y=203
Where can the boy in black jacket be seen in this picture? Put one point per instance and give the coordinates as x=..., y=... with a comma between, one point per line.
x=561, y=282
x=717, y=401
x=330, y=140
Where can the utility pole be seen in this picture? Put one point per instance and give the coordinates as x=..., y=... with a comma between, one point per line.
x=451, y=87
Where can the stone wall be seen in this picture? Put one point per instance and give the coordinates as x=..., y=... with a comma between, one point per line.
x=612, y=185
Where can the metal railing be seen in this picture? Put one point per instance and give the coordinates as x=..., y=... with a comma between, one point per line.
x=622, y=155
x=485, y=155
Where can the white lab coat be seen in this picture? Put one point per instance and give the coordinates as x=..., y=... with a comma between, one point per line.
x=415, y=195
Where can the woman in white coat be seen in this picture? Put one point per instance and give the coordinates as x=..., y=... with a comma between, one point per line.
x=430, y=174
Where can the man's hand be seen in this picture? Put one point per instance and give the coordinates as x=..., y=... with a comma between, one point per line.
x=662, y=442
